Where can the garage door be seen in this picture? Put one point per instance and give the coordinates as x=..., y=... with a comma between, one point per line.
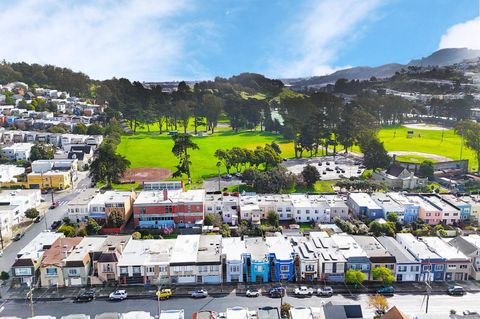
x=75, y=281
x=186, y=280
x=211, y=279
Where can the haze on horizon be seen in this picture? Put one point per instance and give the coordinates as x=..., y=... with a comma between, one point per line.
x=165, y=40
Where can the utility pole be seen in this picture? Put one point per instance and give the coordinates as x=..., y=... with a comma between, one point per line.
x=31, y=298
x=1, y=235
x=218, y=170
x=429, y=288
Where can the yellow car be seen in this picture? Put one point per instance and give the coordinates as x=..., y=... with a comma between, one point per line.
x=164, y=293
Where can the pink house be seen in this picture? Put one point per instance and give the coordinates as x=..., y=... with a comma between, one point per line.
x=429, y=213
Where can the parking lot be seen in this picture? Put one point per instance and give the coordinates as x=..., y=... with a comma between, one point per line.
x=329, y=167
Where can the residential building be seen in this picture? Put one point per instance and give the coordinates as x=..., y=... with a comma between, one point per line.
x=407, y=267
x=160, y=209
x=209, y=259
x=410, y=208
x=310, y=208
x=474, y=202
x=233, y=248
x=76, y=267
x=338, y=207
x=79, y=208
x=256, y=266
x=26, y=265
x=250, y=210
x=362, y=205
x=105, y=259
x=432, y=265
x=281, y=258
x=331, y=262
x=160, y=186
x=44, y=166
x=450, y=213
x=184, y=259
x=50, y=179
x=333, y=310
x=464, y=207
x=13, y=204
x=224, y=204
x=376, y=253
x=356, y=258
x=53, y=260
x=17, y=151
x=429, y=213
x=398, y=177
x=9, y=173
x=457, y=265
x=470, y=247
x=103, y=204
x=145, y=261
x=388, y=204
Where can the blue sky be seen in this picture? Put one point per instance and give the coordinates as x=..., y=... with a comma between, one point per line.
x=188, y=39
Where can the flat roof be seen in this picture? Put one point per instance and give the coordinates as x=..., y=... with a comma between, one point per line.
x=34, y=249
x=387, y=203
x=348, y=246
x=280, y=246
x=84, y=197
x=371, y=246
x=438, y=201
x=257, y=247
x=209, y=248
x=426, y=205
x=173, y=196
x=443, y=249
x=363, y=199
x=401, y=198
x=233, y=248
x=417, y=248
x=393, y=247
x=185, y=249
x=86, y=245
x=111, y=197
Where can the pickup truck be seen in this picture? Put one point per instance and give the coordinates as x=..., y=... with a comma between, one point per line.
x=303, y=291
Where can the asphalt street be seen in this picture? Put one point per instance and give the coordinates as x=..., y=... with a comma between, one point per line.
x=51, y=215
x=408, y=303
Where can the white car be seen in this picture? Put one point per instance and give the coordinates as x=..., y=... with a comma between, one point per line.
x=303, y=291
x=118, y=295
x=325, y=291
x=200, y=293
x=252, y=292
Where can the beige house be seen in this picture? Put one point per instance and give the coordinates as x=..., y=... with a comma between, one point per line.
x=53, y=261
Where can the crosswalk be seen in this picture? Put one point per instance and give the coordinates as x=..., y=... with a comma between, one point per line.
x=63, y=203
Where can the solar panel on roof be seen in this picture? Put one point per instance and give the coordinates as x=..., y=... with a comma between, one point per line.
x=325, y=256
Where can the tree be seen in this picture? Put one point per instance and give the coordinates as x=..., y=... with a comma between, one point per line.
x=108, y=166
x=392, y=217
x=276, y=147
x=82, y=232
x=225, y=230
x=80, y=129
x=374, y=153
x=92, y=227
x=115, y=219
x=224, y=157
x=272, y=218
x=384, y=274
x=355, y=277
x=94, y=129
x=426, y=169
x=4, y=275
x=32, y=213
x=310, y=175
x=285, y=310
x=182, y=143
x=470, y=131
x=136, y=235
x=213, y=109
x=67, y=230
x=42, y=151
x=208, y=220
x=378, y=302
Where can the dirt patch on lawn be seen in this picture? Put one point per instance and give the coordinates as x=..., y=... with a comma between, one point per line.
x=423, y=126
x=146, y=174
x=435, y=157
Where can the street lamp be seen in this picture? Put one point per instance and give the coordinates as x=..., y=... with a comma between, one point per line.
x=218, y=170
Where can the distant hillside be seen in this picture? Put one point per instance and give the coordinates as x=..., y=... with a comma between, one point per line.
x=441, y=58
x=447, y=57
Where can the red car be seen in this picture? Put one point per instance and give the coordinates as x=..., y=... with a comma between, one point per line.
x=54, y=205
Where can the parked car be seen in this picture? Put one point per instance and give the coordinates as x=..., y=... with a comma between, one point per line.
x=55, y=225
x=276, y=292
x=18, y=236
x=200, y=293
x=165, y=293
x=386, y=290
x=252, y=292
x=329, y=169
x=118, y=295
x=54, y=205
x=39, y=218
x=238, y=175
x=44, y=191
x=86, y=296
x=303, y=291
x=320, y=164
x=325, y=291
x=456, y=291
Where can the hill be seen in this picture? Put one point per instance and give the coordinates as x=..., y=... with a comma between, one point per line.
x=447, y=57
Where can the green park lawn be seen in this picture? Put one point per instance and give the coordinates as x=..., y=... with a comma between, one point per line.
x=153, y=150
x=414, y=159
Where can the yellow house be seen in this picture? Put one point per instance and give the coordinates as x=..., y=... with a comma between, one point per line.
x=50, y=179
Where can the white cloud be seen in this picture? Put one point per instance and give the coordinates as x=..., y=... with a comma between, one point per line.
x=322, y=30
x=135, y=39
x=462, y=35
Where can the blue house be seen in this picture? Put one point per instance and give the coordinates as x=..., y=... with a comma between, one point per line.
x=465, y=208
x=362, y=205
x=410, y=208
x=432, y=265
x=281, y=259
x=256, y=266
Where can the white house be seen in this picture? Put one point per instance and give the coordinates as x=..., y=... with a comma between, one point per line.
x=225, y=204
x=18, y=151
x=233, y=249
x=79, y=208
x=9, y=173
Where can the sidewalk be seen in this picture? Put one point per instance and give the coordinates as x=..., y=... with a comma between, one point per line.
x=148, y=292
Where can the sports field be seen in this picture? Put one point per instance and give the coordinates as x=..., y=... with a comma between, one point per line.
x=153, y=150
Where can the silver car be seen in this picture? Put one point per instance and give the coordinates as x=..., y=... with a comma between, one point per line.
x=200, y=293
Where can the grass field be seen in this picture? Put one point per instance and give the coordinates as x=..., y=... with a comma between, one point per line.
x=153, y=150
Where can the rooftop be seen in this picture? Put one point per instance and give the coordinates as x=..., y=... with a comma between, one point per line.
x=233, y=248
x=417, y=248
x=395, y=249
x=387, y=203
x=364, y=200
x=185, y=249
x=443, y=249
x=173, y=196
x=35, y=248
x=371, y=246
x=59, y=251
x=280, y=246
x=111, y=197
x=85, y=246
x=84, y=197
x=422, y=202
x=348, y=246
x=257, y=247
x=209, y=248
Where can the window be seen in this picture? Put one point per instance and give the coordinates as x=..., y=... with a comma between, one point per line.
x=279, y=210
x=309, y=267
x=51, y=271
x=447, y=214
x=234, y=268
x=463, y=266
x=123, y=270
x=402, y=268
x=307, y=211
x=214, y=268
x=162, y=268
x=452, y=267
x=439, y=267
x=364, y=267
x=150, y=269
x=284, y=268
x=72, y=272
x=258, y=268
x=427, y=267
x=107, y=268
x=202, y=268
x=136, y=269
x=316, y=211
x=415, y=268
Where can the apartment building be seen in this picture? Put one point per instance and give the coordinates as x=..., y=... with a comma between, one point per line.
x=331, y=262
x=310, y=208
x=78, y=209
x=450, y=213
x=407, y=267
x=376, y=253
x=474, y=202
x=410, y=210
x=18, y=151
x=13, y=204
x=209, y=259
x=50, y=179
x=176, y=208
x=464, y=207
x=103, y=204
x=256, y=267
x=429, y=213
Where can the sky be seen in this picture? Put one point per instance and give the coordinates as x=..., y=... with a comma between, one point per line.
x=164, y=40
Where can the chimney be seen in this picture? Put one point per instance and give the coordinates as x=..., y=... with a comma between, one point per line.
x=165, y=194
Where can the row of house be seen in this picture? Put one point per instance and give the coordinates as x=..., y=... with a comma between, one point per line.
x=13, y=204
x=54, y=260
x=60, y=140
